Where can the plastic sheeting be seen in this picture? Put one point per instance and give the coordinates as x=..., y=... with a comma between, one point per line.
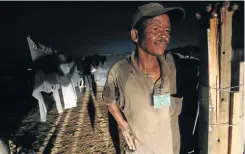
x=38, y=51
x=68, y=92
x=46, y=83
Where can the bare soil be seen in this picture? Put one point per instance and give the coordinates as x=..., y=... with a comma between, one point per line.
x=80, y=130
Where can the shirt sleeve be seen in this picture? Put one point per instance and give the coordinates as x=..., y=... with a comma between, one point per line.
x=173, y=85
x=178, y=107
x=109, y=91
x=112, y=92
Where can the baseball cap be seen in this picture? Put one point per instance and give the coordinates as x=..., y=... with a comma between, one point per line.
x=155, y=9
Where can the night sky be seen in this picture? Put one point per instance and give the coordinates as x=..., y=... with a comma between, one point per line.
x=77, y=28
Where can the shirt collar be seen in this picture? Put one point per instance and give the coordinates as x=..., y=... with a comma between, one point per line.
x=166, y=71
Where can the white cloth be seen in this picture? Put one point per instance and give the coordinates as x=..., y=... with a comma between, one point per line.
x=39, y=50
x=93, y=69
x=57, y=100
x=46, y=83
x=68, y=92
x=77, y=81
x=65, y=68
x=70, y=70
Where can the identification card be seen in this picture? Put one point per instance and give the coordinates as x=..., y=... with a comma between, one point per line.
x=162, y=100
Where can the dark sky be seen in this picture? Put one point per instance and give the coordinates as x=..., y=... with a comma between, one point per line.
x=79, y=27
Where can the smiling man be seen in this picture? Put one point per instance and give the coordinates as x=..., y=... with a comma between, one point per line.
x=143, y=86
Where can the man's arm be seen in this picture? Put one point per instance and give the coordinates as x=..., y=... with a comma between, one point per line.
x=123, y=125
x=117, y=115
x=110, y=95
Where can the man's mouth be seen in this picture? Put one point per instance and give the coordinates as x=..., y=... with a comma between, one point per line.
x=160, y=44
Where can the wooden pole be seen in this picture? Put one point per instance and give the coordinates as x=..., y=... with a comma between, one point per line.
x=225, y=81
x=208, y=78
x=215, y=82
x=213, y=71
x=237, y=115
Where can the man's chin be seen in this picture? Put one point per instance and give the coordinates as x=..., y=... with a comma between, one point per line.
x=160, y=52
x=156, y=51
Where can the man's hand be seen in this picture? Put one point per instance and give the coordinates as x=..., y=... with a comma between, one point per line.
x=128, y=136
x=123, y=125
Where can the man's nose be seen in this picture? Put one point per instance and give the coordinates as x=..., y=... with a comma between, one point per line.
x=162, y=38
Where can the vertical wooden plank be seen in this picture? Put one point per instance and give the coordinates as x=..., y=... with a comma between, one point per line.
x=241, y=89
x=209, y=72
x=237, y=121
x=213, y=71
x=215, y=106
x=225, y=81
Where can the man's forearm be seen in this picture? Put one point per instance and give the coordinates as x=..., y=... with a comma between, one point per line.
x=116, y=113
x=123, y=125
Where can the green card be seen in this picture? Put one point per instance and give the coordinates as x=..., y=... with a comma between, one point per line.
x=160, y=101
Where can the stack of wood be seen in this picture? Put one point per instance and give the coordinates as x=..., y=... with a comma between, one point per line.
x=221, y=98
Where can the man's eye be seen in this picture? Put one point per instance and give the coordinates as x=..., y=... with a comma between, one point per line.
x=168, y=30
x=155, y=28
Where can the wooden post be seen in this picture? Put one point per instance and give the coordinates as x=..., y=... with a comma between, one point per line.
x=215, y=82
x=237, y=115
x=225, y=81
x=213, y=71
x=209, y=82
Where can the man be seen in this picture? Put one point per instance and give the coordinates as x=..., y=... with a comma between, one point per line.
x=143, y=85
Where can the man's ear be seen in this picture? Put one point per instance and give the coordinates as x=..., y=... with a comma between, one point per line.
x=134, y=35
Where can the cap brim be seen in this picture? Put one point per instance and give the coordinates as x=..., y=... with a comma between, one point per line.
x=176, y=14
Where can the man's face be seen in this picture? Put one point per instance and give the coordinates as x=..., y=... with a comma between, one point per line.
x=156, y=35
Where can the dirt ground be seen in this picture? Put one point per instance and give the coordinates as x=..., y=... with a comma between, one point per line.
x=80, y=130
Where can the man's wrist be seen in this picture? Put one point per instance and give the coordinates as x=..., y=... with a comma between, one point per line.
x=123, y=125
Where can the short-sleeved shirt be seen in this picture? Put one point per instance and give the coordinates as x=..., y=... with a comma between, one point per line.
x=156, y=129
